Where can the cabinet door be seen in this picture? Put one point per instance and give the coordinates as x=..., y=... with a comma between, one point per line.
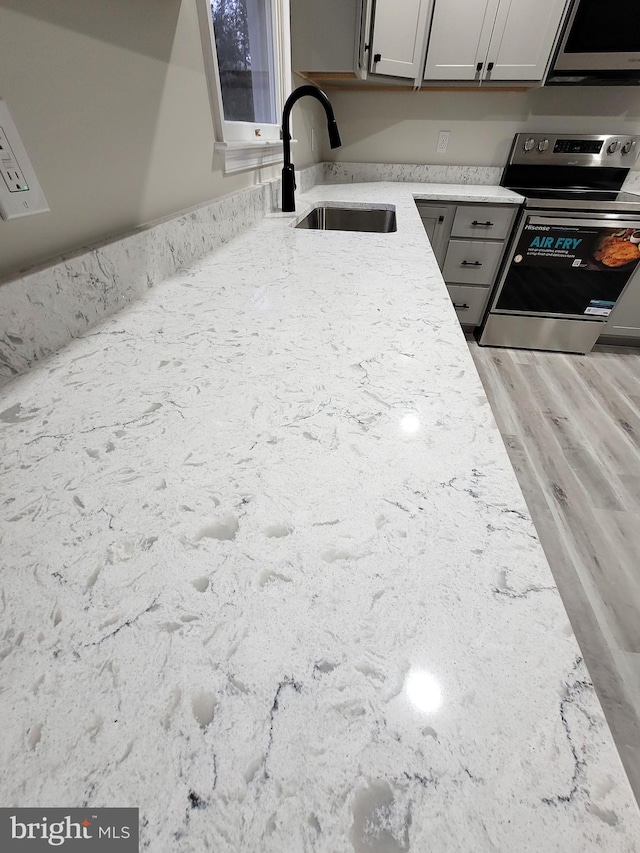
x=459, y=39
x=469, y=303
x=625, y=317
x=363, y=41
x=437, y=222
x=399, y=37
x=324, y=36
x=523, y=38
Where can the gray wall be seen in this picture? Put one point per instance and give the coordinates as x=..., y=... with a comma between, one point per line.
x=111, y=101
x=402, y=127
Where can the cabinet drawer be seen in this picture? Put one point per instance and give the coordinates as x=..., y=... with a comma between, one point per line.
x=484, y=222
x=472, y=261
x=469, y=303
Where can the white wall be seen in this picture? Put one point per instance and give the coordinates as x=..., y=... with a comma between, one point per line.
x=402, y=127
x=111, y=101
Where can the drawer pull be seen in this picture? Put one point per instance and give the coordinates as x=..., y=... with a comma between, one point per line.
x=479, y=66
x=470, y=263
x=486, y=224
x=461, y=306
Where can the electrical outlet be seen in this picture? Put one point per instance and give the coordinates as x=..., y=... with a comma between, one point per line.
x=9, y=168
x=443, y=141
x=20, y=193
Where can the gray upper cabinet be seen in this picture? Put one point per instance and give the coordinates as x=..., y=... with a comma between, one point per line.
x=399, y=36
x=460, y=34
x=383, y=40
x=325, y=36
x=386, y=41
x=492, y=40
x=523, y=38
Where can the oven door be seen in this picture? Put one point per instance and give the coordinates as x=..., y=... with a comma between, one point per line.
x=568, y=266
x=601, y=37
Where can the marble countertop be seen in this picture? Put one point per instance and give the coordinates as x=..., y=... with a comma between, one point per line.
x=267, y=573
x=461, y=193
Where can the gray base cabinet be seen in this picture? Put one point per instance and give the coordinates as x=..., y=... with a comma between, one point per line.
x=469, y=241
x=437, y=221
x=469, y=303
x=472, y=261
x=624, y=321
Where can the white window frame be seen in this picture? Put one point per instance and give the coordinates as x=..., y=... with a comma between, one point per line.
x=247, y=145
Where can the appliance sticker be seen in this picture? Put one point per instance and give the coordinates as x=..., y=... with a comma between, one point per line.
x=580, y=247
x=600, y=307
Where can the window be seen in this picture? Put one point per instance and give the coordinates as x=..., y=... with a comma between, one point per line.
x=246, y=49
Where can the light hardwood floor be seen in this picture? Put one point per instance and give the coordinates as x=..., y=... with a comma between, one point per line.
x=571, y=425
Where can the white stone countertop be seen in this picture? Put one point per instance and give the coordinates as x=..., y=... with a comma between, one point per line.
x=459, y=193
x=267, y=573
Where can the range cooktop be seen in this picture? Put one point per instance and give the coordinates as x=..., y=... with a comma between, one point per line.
x=575, y=172
x=582, y=199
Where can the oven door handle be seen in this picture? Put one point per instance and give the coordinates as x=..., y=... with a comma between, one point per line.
x=606, y=221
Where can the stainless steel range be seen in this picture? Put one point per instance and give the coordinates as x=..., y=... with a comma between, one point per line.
x=576, y=244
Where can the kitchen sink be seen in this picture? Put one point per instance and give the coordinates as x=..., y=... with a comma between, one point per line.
x=379, y=220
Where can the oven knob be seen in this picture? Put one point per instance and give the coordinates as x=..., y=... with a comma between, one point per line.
x=543, y=145
x=612, y=147
x=529, y=144
x=628, y=146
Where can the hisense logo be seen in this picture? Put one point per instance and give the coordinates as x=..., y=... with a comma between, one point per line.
x=55, y=833
x=111, y=830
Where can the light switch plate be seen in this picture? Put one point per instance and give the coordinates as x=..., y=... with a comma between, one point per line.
x=20, y=192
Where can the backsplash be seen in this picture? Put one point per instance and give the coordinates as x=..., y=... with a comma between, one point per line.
x=45, y=307
x=346, y=173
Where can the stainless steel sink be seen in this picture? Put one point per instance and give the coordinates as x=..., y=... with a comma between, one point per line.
x=379, y=220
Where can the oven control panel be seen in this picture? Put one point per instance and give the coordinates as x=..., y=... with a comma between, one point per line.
x=578, y=146
x=574, y=150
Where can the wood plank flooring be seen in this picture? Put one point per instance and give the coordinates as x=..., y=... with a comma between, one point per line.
x=571, y=425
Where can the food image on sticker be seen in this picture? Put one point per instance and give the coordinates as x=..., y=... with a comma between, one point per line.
x=617, y=250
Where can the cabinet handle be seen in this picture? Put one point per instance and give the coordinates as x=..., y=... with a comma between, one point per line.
x=490, y=66
x=461, y=306
x=441, y=219
x=377, y=57
x=486, y=224
x=471, y=264
x=479, y=66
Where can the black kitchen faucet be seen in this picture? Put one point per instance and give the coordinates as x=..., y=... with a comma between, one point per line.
x=288, y=170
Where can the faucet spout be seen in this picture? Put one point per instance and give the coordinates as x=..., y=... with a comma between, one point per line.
x=288, y=170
